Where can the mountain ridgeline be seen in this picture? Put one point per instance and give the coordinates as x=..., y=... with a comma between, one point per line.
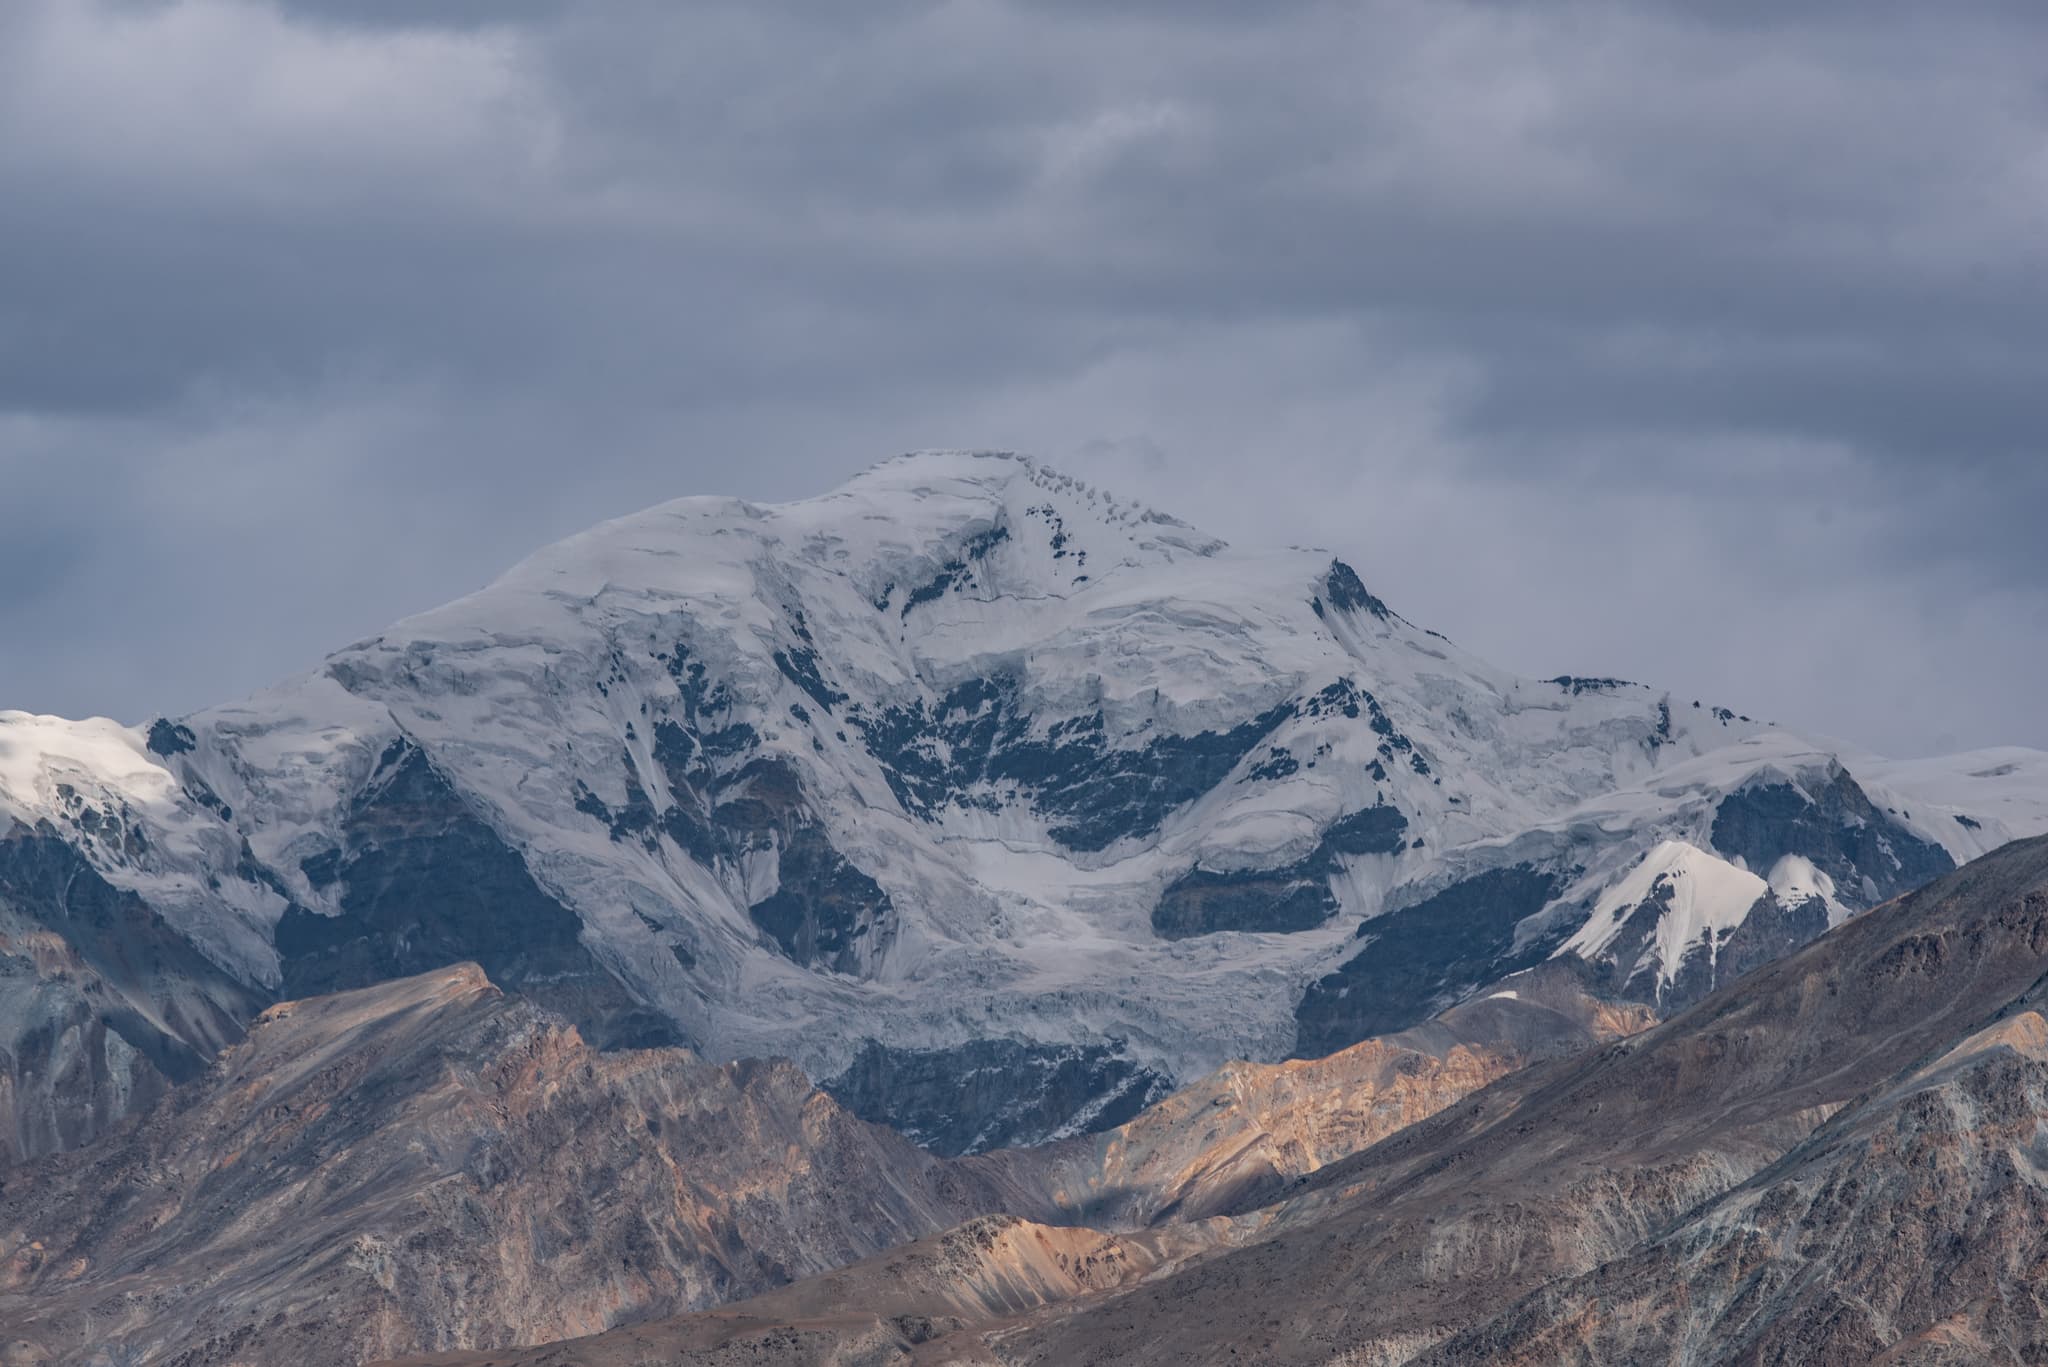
x=1832, y=1160
x=966, y=769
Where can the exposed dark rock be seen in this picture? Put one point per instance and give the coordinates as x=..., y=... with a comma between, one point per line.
x=726, y=802
x=1770, y=931
x=425, y=882
x=635, y=819
x=168, y=738
x=1420, y=959
x=1340, y=699
x=1630, y=969
x=1204, y=901
x=111, y=830
x=1279, y=763
x=1345, y=698
x=202, y=793
x=995, y=1093
x=322, y=869
x=957, y=570
x=1575, y=684
x=1094, y=789
x=1294, y=897
x=1869, y=856
x=1661, y=735
x=799, y=665
x=1347, y=593
x=1057, y=526
x=1369, y=830
x=109, y=1008
x=823, y=905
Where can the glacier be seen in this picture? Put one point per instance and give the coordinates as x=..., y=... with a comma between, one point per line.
x=969, y=768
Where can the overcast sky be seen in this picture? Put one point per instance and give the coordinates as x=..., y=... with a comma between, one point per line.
x=1700, y=344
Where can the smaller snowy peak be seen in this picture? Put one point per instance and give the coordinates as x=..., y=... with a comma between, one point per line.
x=1696, y=896
x=1346, y=592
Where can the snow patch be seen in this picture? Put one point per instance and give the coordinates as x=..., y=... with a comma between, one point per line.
x=1707, y=896
x=1794, y=880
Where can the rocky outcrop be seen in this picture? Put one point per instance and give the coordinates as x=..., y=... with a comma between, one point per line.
x=430, y=1163
x=1416, y=961
x=1249, y=1132
x=1155, y=1186
x=995, y=1093
x=420, y=881
x=1910, y=1228
x=1091, y=790
x=1832, y=1161
x=1298, y=896
x=916, y=1304
x=1831, y=822
x=102, y=1005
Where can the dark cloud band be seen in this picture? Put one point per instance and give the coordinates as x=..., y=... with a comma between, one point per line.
x=1717, y=330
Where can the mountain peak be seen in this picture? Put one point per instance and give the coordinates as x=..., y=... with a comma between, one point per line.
x=804, y=778
x=1008, y=478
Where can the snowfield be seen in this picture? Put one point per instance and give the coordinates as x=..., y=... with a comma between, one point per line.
x=968, y=751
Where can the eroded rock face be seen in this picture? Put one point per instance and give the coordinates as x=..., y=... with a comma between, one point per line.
x=1831, y=1161
x=1248, y=1133
x=1092, y=790
x=1417, y=961
x=1297, y=896
x=995, y=1093
x=1910, y=1229
x=1834, y=824
x=1157, y=1185
x=422, y=881
x=430, y=1163
x=962, y=756
x=102, y=1006
x=907, y=1306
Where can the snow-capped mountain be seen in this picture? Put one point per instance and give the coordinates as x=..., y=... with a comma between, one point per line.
x=999, y=803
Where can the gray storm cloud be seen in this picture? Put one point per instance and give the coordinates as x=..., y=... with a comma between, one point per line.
x=1702, y=348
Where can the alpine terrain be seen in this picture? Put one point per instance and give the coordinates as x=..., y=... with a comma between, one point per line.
x=1834, y=1161
x=970, y=918
x=999, y=804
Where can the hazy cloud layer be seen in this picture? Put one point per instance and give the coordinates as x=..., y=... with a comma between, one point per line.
x=1703, y=348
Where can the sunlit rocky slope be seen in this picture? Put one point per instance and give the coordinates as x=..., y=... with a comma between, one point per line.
x=1836, y=1160
x=430, y=1163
